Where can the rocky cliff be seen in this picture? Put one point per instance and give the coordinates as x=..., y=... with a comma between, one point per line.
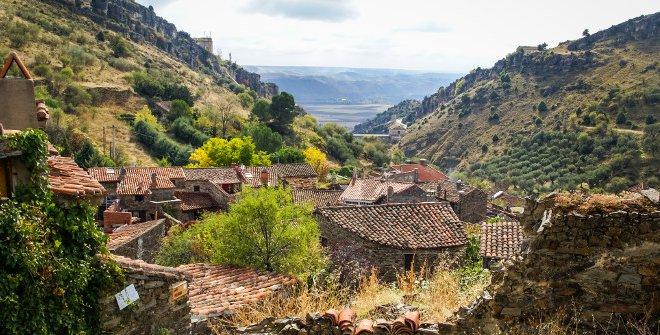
x=141, y=24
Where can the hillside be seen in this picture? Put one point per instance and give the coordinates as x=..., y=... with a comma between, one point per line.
x=85, y=55
x=326, y=85
x=598, y=94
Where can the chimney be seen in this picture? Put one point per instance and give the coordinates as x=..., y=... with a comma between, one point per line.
x=264, y=176
x=423, y=162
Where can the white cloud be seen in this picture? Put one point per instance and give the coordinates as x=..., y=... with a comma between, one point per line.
x=411, y=34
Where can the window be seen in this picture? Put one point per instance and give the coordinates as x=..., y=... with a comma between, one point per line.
x=408, y=261
x=139, y=198
x=196, y=188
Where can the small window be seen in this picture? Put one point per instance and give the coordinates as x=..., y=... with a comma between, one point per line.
x=408, y=261
x=139, y=198
x=196, y=188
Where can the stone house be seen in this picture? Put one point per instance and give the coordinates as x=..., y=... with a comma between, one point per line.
x=396, y=130
x=469, y=203
x=379, y=191
x=391, y=238
x=297, y=175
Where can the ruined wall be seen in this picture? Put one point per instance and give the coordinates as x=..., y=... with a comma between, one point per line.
x=162, y=307
x=145, y=246
x=354, y=256
x=598, y=266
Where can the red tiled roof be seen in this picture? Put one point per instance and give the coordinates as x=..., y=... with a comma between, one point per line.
x=370, y=190
x=219, y=289
x=129, y=232
x=408, y=226
x=319, y=198
x=67, y=178
x=108, y=174
x=214, y=175
x=195, y=200
x=142, y=185
x=426, y=173
x=501, y=240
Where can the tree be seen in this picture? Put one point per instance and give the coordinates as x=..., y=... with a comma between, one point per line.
x=220, y=117
x=220, y=152
x=318, y=160
x=264, y=229
x=282, y=110
x=261, y=110
x=179, y=109
x=265, y=139
x=287, y=155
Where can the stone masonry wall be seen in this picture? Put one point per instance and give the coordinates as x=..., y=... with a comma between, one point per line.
x=598, y=267
x=355, y=256
x=145, y=246
x=162, y=307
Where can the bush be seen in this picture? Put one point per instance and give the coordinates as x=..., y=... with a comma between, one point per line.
x=186, y=132
x=119, y=46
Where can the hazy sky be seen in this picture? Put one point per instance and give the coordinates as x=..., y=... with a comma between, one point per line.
x=452, y=36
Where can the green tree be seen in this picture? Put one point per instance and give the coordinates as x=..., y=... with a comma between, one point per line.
x=287, y=155
x=265, y=139
x=220, y=152
x=179, y=109
x=261, y=110
x=283, y=111
x=264, y=229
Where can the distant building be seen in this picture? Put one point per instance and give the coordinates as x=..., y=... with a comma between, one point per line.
x=205, y=42
x=396, y=130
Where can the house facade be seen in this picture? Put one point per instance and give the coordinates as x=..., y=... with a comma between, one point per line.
x=391, y=238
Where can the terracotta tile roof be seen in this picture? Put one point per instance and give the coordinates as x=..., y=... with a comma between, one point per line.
x=319, y=198
x=214, y=175
x=141, y=267
x=219, y=289
x=67, y=178
x=108, y=174
x=129, y=232
x=252, y=174
x=294, y=170
x=501, y=240
x=371, y=190
x=143, y=184
x=195, y=200
x=426, y=173
x=408, y=226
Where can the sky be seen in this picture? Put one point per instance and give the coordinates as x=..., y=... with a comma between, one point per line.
x=429, y=35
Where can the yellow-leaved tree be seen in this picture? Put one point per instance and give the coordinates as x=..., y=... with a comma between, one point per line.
x=318, y=160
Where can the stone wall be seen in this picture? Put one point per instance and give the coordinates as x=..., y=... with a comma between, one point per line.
x=145, y=246
x=354, y=256
x=597, y=266
x=162, y=307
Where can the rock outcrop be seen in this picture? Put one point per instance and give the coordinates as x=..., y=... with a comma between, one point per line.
x=141, y=24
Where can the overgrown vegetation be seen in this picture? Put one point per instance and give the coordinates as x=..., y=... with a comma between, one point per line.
x=51, y=276
x=264, y=229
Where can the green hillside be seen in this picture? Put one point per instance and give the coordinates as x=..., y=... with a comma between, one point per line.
x=520, y=123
